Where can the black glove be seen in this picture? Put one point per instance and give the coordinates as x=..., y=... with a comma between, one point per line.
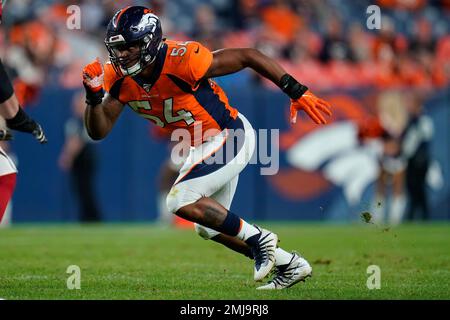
x=39, y=134
x=22, y=122
x=5, y=135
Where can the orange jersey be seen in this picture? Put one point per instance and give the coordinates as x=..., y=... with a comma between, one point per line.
x=176, y=95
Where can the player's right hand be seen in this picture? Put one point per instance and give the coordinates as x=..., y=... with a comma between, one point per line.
x=93, y=74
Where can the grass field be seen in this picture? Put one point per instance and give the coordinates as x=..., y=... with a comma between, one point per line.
x=150, y=262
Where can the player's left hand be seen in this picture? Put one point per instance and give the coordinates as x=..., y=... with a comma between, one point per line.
x=312, y=105
x=5, y=135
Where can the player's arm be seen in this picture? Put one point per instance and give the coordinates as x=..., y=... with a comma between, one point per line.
x=100, y=118
x=102, y=111
x=16, y=118
x=226, y=61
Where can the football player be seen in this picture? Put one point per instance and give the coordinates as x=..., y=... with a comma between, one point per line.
x=16, y=119
x=169, y=83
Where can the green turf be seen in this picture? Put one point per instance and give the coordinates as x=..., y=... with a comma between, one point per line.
x=150, y=262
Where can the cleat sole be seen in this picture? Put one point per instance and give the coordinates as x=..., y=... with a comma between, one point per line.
x=300, y=280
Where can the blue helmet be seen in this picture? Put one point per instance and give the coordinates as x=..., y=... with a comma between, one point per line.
x=134, y=26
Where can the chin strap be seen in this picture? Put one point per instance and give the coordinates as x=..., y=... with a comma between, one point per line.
x=130, y=72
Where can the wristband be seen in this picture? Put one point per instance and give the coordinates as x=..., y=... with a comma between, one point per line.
x=292, y=87
x=93, y=98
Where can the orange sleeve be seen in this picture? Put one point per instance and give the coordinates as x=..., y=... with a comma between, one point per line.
x=200, y=60
x=193, y=64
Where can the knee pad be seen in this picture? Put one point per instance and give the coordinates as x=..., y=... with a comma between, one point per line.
x=176, y=199
x=180, y=196
x=173, y=201
x=204, y=232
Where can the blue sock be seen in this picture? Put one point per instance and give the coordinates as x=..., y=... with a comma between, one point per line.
x=231, y=225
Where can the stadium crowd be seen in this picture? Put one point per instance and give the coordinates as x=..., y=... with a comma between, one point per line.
x=325, y=43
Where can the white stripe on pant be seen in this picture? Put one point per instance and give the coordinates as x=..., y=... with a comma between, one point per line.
x=219, y=185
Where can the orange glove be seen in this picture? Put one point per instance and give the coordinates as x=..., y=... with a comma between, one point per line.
x=312, y=105
x=93, y=74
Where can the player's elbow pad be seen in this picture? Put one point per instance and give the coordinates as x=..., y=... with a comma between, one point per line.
x=6, y=88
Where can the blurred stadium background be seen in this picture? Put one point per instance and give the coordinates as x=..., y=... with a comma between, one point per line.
x=326, y=173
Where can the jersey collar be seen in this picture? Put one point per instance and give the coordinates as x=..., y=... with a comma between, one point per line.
x=147, y=83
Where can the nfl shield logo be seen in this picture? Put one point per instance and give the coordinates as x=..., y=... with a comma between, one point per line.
x=147, y=87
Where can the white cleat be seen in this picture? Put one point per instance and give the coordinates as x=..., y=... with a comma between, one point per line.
x=264, y=254
x=298, y=269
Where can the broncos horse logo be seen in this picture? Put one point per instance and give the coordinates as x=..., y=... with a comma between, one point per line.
x=327, y=157
x=148, y=21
